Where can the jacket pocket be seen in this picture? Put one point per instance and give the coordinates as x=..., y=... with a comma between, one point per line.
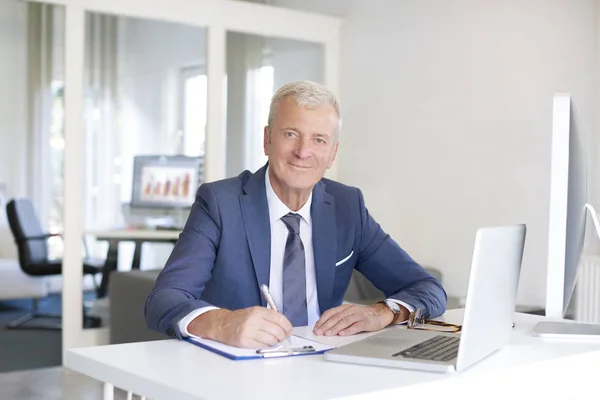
x=343, y=260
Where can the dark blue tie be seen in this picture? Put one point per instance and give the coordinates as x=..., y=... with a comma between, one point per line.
x=294, y=273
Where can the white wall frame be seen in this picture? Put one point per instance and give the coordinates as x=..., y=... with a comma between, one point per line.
x=216, y=139
x=332, y=81
x=218, y=16
x=72, y=301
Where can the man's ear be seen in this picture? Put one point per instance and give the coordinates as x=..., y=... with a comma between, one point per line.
x=266, y=141
x=334, y=154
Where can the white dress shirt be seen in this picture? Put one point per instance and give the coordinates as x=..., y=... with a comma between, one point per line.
x=279, y=234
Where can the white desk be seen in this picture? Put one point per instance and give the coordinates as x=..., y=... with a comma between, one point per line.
x=174, y=369
x=135, y=234
x=138, y=237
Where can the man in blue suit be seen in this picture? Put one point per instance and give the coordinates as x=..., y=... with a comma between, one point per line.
x=287, y=227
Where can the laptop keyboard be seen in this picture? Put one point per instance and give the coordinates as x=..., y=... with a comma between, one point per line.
x=438, y=348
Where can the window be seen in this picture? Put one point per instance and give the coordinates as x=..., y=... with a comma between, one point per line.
x=192, y=118
x=265, y=89
x=57, y=149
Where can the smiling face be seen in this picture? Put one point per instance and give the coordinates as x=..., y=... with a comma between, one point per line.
x=301, y=146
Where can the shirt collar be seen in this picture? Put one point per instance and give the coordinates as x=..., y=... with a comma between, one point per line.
x=278, y=209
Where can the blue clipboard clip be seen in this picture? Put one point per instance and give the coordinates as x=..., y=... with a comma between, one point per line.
x=282, y=352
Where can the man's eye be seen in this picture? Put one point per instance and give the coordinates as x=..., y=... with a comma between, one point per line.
x=289, y=134
x=320, y=141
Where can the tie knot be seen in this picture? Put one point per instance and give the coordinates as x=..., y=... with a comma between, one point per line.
x=292, y=221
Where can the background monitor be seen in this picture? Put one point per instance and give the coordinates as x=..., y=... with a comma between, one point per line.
x=568, y=197
x=567, y=221
x=161, y=181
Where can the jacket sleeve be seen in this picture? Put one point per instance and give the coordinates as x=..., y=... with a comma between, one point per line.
x=180, y=284
x=393, y=271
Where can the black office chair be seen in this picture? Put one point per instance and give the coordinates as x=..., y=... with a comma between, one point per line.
x=31, y=243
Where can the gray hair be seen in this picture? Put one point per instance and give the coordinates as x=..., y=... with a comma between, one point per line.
x=306, y=94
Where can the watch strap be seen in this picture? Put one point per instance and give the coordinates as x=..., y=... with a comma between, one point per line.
x=397, y=314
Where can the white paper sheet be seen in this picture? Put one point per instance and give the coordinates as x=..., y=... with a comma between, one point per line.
x=306, y=332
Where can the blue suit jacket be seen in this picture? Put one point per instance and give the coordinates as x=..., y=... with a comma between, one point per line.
x=223, y=253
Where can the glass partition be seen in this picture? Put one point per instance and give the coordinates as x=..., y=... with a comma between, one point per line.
x=256, y=67
x=31, y=140
x=145, y=100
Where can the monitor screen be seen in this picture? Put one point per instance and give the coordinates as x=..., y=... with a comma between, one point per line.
x=161, y=181
x=568, y=197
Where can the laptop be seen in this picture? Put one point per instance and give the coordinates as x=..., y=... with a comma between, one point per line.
x=487, y=321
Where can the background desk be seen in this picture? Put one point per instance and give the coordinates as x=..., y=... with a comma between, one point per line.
x=172, y=369
x=138, y=236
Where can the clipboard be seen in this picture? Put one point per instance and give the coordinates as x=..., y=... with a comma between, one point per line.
x=299, y=347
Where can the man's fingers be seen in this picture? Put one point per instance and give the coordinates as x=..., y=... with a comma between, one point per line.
x=332, y=311
x=333, y=320
x=254, y=338
x=344, y=322
x=273, y=323
x=264, y=339
x=275, y=330
x=279, y=320
x=328, y=321
x=257, y=327
x=353, y=329
x=323, y=322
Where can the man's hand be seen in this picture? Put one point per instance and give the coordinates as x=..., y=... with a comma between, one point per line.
x=254, y=327
x=350, y=319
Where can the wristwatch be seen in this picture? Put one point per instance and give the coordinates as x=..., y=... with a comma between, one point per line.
x=393, y=307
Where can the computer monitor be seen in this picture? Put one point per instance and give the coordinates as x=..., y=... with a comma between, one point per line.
x=567, y=221
x=167, y=182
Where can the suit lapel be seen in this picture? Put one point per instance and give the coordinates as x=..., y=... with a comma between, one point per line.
x=324, y=243
x=255, y=212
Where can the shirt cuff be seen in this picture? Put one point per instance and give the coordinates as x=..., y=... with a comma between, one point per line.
x=185, y=321
x=410, y=308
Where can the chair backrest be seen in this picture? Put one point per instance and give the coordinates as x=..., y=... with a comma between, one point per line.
x=361, y=290
x=24, y=224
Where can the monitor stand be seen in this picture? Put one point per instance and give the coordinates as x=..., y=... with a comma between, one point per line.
x=571, y=330
x=567, y=330
x=155, y=222
x=154, y=218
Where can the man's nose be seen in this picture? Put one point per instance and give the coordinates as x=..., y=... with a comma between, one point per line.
x=303, y=149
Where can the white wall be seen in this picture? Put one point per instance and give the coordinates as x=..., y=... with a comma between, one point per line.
x=13, y=120
x=448, y=118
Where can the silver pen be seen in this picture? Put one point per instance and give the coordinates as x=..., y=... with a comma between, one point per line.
x=267, y=295
x=286, y=352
